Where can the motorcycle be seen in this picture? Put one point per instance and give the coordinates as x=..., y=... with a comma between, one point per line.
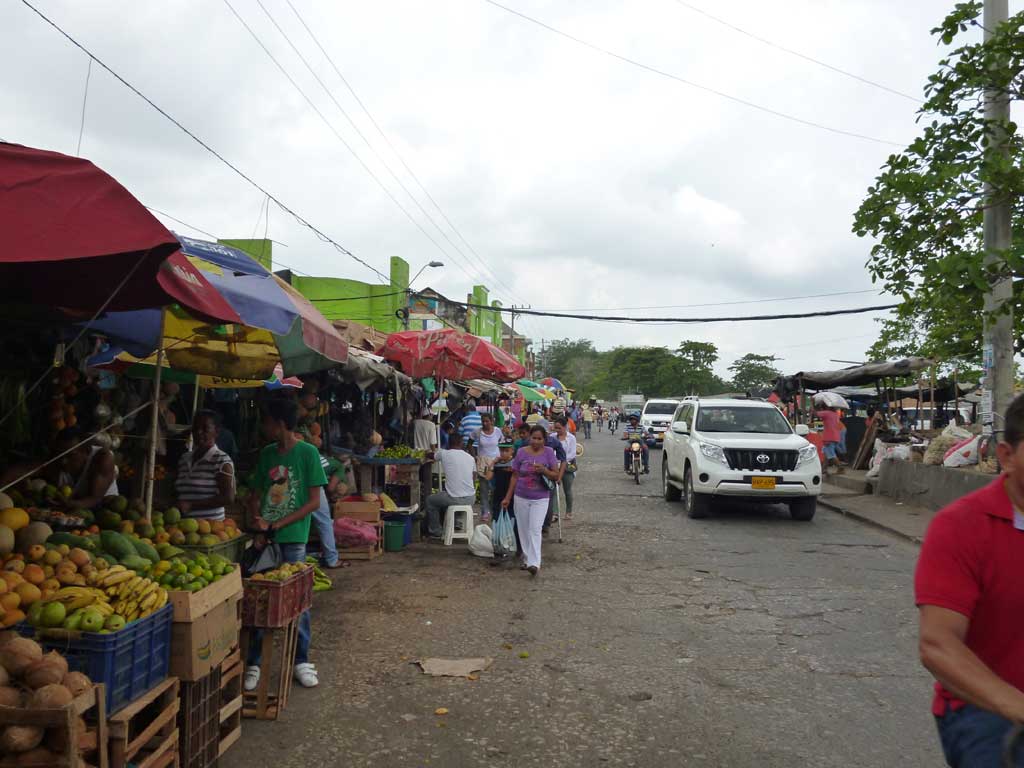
x=637, y=465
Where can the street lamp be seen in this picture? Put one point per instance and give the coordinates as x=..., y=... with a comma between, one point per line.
x=408, y=291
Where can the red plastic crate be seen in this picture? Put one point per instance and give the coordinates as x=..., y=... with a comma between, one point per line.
x=276, y=603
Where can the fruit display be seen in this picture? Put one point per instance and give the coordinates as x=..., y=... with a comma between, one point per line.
x=282, y=572
x=401, y=452
x=191, y=574
x=112, y=598
x=33, y=680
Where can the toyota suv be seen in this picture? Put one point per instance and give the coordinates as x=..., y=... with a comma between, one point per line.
x=742, y=449
x=657, y=415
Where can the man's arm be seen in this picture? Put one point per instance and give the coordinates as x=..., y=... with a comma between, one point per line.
x=312, y=505
x=102, y=472
x=944, y=654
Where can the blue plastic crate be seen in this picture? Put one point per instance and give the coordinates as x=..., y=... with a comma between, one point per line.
x=128, y=662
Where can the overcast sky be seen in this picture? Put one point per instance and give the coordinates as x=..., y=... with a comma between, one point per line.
x=582, y=181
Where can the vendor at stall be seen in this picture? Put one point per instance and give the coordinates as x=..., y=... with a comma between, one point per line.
x=89, y=470
x=206, y=475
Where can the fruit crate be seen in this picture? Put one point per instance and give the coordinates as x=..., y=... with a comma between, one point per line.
x=276, y=603
x=231, y=549
x=199, y=721
x=145, y=733
x=128, y=662
x=231, y=701
x=90, y=745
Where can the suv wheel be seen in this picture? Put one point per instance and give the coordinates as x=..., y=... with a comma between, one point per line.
x=669, y=491
x=698, y=505
x=803, y=509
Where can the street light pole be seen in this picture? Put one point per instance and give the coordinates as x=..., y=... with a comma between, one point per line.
x=997, y=348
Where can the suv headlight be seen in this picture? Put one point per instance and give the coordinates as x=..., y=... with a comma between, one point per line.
x=713, y=452
x=807, y=453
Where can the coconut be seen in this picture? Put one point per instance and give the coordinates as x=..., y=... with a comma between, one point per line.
x=18, y=654
x=5, y=501
x=77, y=683
x=49, y=670
x=53, y=696
x=10, y=697
x=20, y=738
x=38, y=756
x=6, y=637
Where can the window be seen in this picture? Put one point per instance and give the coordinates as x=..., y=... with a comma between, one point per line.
x=730, y=418
x=659, y=409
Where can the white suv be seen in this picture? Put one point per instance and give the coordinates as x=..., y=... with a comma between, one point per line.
x=743, y=449
x=657, y=415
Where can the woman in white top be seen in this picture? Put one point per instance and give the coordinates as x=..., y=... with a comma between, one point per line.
x=568, y=441
x=486, y=441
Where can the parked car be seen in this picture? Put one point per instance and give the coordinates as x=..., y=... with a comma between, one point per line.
x=738, y=449
x=657, y=415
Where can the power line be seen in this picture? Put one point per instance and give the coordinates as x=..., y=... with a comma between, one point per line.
x=804, y=56
x=394, y=149
x=691, y=83
x=715, y=304
x=320, y=234
x=85, y=100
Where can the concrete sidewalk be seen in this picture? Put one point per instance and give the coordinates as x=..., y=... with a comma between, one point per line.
x=904, y=520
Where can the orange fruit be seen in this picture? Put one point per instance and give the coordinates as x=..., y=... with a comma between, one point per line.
x=28, y=593
x=11, y=578
x=10, y=601
x=34, y=574
x=36, y=552
x=12, y=617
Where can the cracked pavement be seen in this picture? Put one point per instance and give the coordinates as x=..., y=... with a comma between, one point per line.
x=746, y=639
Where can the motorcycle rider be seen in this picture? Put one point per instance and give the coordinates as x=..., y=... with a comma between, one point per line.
x=630, y=432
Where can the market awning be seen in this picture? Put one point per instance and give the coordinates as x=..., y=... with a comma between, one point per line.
x=855, y=375
x=366, y=369
x=70, y=235
x=450, y=354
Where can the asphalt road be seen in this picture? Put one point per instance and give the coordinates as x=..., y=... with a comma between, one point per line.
x=653, y=640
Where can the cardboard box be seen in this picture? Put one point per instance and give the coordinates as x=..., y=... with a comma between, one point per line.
x=201, y=644
x=367, y=511
x=189, y=606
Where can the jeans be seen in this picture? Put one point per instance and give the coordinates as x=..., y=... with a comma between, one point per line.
x=587, y=426
x=842, y=443
x=325, y=530
x=627, y=461
x=973, y=738
x=436, y=502
x=567, y=480
x=292, y=553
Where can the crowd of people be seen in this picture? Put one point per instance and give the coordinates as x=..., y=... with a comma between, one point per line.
x=517, y=460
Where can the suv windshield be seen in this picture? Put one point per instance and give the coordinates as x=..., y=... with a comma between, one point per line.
x=730, y=418
x=660, y=409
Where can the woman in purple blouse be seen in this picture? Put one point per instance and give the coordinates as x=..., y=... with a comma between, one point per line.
x=533, y=463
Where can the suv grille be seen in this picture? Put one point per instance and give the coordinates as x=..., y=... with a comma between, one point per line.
x=778, y=461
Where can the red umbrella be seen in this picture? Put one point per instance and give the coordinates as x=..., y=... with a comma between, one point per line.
x=450, y=354
x=70, y=234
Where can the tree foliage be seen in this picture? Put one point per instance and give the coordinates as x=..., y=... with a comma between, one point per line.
x=926, y=208
x=754, y=372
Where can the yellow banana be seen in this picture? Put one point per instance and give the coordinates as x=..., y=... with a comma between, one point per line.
x=147, y=589
x=117, y=578
x=103, y=608
x=162, y=601
x=131, y=617
x=129, y=587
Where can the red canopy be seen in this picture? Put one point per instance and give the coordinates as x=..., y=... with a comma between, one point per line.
x=450, y=354
x=69, y=234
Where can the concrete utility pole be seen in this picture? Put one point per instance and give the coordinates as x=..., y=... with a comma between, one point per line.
x=997, y=349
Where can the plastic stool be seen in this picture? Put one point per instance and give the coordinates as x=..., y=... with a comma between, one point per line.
x=466, y=510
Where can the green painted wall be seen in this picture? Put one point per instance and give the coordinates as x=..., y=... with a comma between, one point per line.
x=343, y=299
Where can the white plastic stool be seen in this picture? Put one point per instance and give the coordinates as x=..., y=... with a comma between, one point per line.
x=466, y=510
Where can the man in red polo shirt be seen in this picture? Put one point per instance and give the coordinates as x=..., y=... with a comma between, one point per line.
x=969, y=589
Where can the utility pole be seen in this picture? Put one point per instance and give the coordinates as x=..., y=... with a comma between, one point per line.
x=997, y=348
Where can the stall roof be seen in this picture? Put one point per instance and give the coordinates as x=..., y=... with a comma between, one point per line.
x=943, y=391
x=366, y=369
x=856, y=375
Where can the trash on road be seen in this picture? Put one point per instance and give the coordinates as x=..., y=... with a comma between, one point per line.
x=454, y=667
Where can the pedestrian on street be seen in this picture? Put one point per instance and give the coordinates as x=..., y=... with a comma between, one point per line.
x=588, y=421
x=969, y=595
x=830, y=436
x=533, y=465
x=486, y=441
x=470, y=424
x=459, y=468
x=568, y=443
x=613, y=420
x=600, y=419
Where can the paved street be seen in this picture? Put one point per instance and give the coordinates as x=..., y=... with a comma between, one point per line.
x=654, y=640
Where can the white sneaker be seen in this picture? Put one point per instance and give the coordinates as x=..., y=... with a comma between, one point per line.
x=307, y=676
x=252, y=678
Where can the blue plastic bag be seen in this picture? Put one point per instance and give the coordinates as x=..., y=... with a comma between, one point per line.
x=503, y=535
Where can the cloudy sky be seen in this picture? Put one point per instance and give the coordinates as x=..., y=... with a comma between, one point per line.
x=579, y=181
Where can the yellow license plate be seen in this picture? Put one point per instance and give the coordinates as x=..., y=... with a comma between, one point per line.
x=763, y=483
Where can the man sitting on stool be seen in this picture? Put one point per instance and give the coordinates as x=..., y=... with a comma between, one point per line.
x=459, y=468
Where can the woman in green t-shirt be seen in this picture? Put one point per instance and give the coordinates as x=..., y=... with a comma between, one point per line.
x=288, y=480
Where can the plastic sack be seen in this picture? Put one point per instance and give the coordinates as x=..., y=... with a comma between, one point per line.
x=964, y=453
x=480, y=543
x=952, y=430
x=883, y=451
x=939, y=447
x=354, y=533
x=504, y=535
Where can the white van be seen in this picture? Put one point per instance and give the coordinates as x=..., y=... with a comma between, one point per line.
x=657, y=415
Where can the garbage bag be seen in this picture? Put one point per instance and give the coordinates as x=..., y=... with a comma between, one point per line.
x=480, y=543
x=504, y=535
x=964, y=453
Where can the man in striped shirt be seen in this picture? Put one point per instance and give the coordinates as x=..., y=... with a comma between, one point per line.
x=471, y=423
x=206, y=475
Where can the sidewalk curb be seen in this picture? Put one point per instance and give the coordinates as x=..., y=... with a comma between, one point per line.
x=868, y=521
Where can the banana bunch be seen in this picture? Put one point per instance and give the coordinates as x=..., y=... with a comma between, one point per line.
x=131, y=596
x=74, y=598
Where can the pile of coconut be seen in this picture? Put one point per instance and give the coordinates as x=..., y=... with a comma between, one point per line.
x=30, y=679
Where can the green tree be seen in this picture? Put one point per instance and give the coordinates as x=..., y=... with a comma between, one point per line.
x=696, y=375
x=926, y=207
x=754, y=372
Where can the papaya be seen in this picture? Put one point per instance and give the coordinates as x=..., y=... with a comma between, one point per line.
x=117, y=545
x=109, y=520
x=145, y=550
x=135, y=563
x=71, y=540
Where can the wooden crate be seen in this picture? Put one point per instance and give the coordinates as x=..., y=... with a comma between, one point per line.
x=231, y=701
x=91, y=705
x=366, y=512
x=145, y=733
x=277, y=659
